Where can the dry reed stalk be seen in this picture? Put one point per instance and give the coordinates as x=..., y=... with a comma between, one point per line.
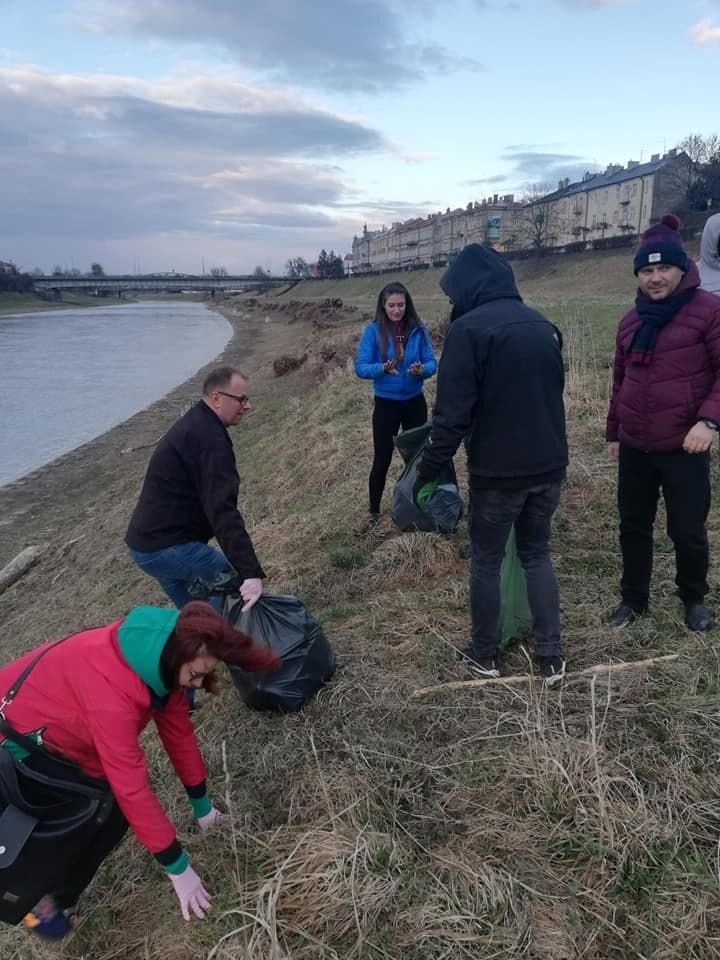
x=523, y=678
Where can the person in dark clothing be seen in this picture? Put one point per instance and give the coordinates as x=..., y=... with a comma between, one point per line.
x=394, y=352
x=663, y=416
x=190, y=494
x=500, y=389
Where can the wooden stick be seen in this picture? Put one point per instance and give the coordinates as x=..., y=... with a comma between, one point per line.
x=524, y=677
x=142, y=446
x=18, y=566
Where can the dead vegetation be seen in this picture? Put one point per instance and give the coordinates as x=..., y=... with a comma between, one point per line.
x=496, y=822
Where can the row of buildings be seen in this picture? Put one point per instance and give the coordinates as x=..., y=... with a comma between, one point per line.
x=621, y=202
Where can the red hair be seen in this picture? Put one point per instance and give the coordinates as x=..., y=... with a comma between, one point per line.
x=201, y=628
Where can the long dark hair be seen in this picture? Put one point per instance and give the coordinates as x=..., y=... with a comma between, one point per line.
x=410, y=320
x=200, y=627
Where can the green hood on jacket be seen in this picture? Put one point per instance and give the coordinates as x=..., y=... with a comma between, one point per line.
x=142, y=636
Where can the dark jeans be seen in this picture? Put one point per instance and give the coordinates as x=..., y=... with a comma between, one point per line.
x=176, y=568
x=388, y=417
x=493, y=513
x=88, y=862
x=685, y=482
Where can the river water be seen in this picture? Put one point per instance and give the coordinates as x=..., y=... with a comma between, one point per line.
x=66, y=376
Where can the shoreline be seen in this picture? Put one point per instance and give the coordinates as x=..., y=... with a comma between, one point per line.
x=80, y=475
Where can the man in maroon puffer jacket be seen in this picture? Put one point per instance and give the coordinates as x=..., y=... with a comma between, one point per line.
x=663, y=416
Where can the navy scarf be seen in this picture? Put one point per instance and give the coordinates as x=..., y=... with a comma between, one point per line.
x=654, y=315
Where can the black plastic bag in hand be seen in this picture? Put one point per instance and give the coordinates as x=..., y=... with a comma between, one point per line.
x=285, y=626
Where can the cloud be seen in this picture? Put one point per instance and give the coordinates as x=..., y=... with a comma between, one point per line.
x=704, y=33
x=532, y=165
x=497, y=178
x=101, y=160
x=330, y=44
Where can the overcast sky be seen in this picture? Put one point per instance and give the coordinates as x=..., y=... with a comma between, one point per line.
x=153, y=135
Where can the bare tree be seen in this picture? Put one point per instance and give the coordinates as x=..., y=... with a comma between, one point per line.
x=539, y=225
x=297, y=267
x=696, y=156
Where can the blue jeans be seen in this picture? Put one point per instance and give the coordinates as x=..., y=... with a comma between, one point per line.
x=492, y=515
x=176, y=568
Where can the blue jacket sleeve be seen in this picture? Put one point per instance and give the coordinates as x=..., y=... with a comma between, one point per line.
x=369, y=364
x=427, y=357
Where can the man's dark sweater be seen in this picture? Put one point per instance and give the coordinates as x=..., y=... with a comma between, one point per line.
x=190, y=493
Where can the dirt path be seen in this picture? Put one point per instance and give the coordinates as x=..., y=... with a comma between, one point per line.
x=79, y=505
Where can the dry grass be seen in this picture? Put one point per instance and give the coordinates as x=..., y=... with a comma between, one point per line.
x=503, y=822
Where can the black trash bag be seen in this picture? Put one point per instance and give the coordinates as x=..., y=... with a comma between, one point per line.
x=410, y=441
x=284, y=625
x=443, y=508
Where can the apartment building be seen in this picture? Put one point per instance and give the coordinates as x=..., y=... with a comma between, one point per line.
x=618, y=202
x=621, y=201
x=432, y=240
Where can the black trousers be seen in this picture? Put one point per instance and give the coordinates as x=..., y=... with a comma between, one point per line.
x=388, y=417
x=685, y=482
x=84, y=869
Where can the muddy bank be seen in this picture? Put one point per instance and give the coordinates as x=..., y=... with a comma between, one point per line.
x=78, y=506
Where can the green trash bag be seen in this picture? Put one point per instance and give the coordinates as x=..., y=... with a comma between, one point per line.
x=515, y=617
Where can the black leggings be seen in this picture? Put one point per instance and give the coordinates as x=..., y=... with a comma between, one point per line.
x=388, y=417
x=68, y=891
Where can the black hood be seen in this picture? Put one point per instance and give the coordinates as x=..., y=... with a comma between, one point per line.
x=478, y=274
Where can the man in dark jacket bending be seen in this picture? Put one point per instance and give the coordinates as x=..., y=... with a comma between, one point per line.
x=500, y=388
x=190, y=495
x=663, y=417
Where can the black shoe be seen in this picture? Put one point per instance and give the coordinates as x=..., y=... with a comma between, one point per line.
x=552, y=670
x=697, y=617
x=484, y=666
x=623, y=616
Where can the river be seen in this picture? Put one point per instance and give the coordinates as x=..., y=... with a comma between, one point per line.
x=67, y=376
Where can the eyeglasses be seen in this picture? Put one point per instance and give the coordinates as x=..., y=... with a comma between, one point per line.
x=233, y=396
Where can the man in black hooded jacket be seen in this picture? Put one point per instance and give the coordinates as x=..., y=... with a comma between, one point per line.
x=500, y=389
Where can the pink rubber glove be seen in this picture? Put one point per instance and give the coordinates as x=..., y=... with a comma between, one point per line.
x=251, y=591
x=191, y=893
x=211, y=819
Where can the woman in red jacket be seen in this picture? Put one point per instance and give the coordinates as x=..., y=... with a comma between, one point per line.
x=89, y=698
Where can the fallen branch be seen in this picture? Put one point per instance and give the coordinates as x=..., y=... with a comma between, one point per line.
x=18, y=566
x=142, y=446
x=524, y=677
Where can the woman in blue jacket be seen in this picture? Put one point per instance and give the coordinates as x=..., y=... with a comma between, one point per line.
x=396, y=354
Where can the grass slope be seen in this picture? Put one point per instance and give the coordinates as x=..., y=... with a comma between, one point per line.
x=499, y=823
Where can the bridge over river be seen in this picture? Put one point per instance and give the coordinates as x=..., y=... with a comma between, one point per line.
x=166, y=283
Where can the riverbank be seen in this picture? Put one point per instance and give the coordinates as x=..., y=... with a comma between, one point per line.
x=11, y=303
x=495, y=820
x=78, y=507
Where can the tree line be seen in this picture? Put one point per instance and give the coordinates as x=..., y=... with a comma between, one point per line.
x=328, y=266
